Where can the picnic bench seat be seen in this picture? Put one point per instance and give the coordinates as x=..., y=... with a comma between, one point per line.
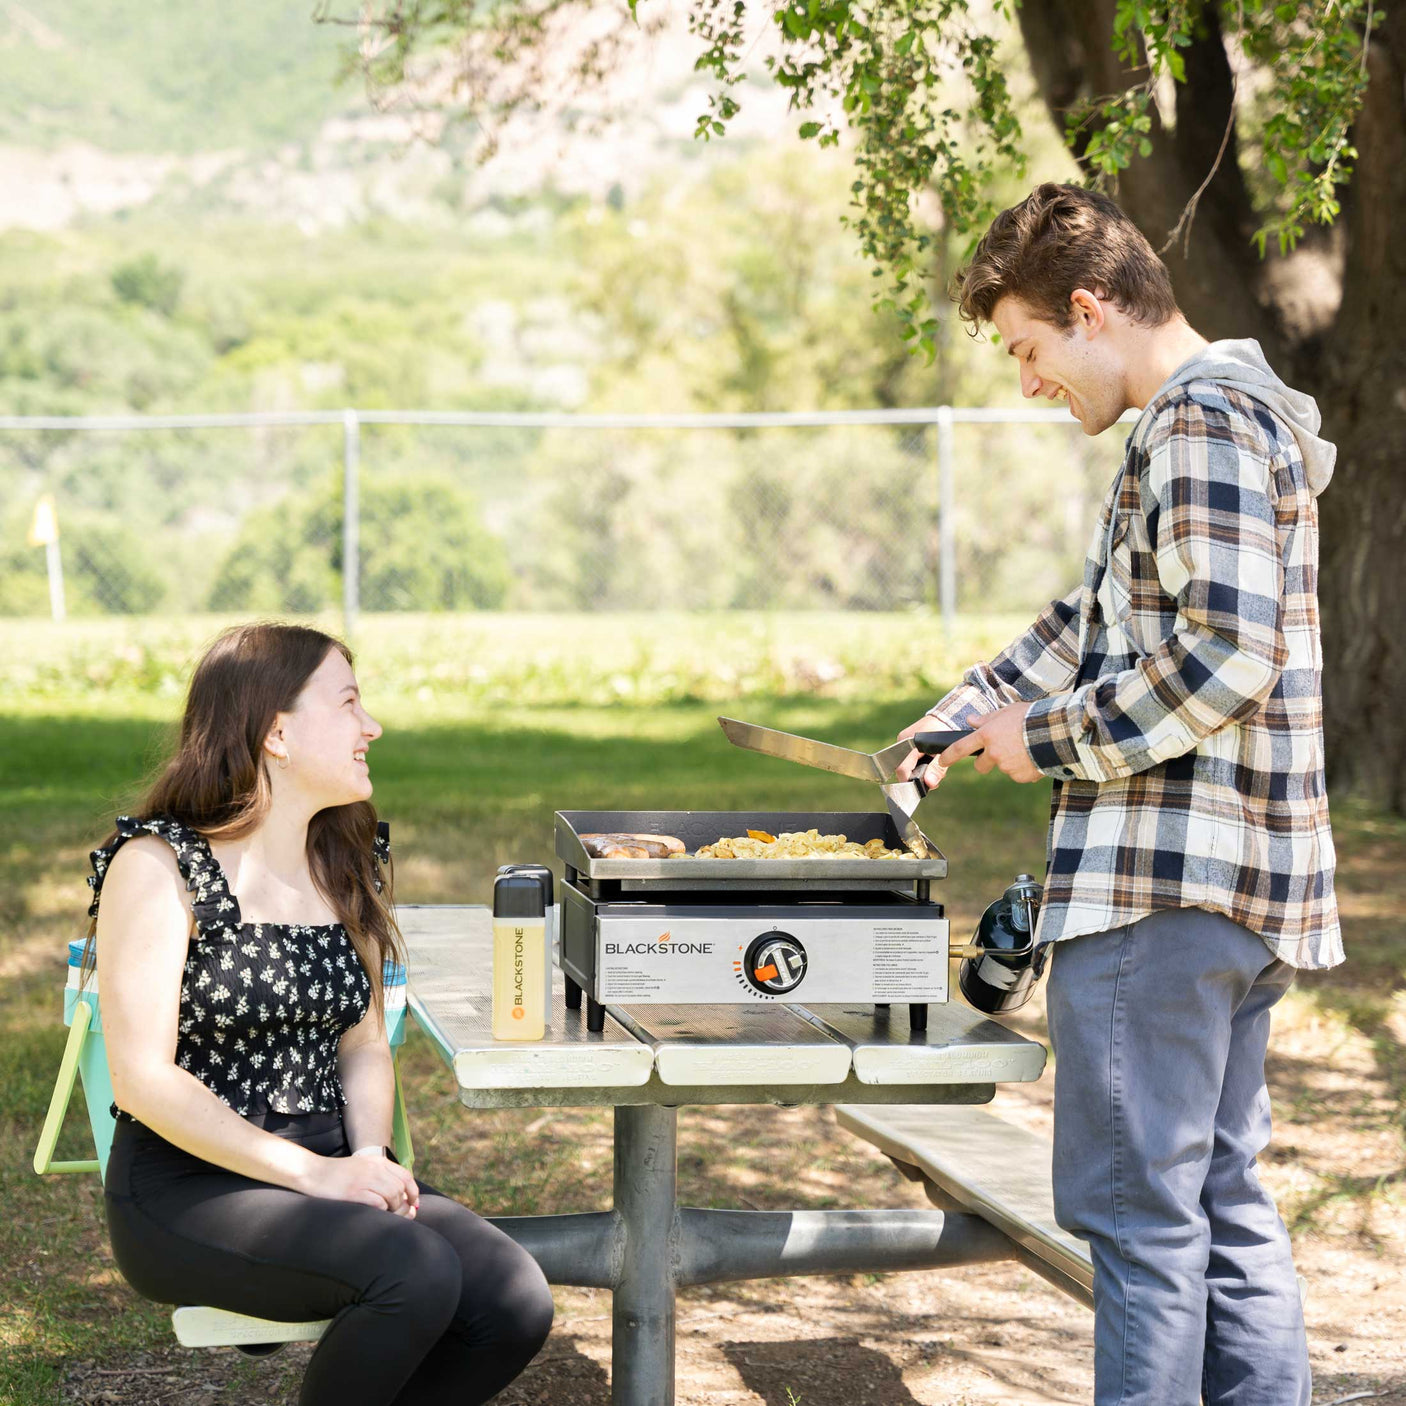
x=968, y=1159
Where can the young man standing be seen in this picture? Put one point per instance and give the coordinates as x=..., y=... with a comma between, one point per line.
x=1175, y=698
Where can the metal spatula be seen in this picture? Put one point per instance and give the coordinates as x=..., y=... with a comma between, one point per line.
x=881, y=767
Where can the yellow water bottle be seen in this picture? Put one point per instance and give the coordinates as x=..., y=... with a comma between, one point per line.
x=519, y=969
x=541, y=873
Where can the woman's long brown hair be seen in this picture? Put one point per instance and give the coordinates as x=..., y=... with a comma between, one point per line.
x=218, y=783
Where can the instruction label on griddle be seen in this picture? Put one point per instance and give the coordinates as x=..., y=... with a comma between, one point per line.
x=883, y=958
x=905, y=957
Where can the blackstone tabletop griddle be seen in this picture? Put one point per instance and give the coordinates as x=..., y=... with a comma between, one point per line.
x=692, y=930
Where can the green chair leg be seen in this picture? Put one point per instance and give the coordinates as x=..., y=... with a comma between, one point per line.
x=63, y=1092
x=400, y=1127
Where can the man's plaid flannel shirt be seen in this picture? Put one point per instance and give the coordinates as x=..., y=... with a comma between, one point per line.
x=1176, y=694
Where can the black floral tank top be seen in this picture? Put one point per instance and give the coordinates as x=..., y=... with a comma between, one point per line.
x=263, y=1005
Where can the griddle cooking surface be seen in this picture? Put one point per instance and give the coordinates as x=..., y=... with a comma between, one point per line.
x=705, y=827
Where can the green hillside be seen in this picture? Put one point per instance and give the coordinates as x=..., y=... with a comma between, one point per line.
x=312, y=275
x=164, y=75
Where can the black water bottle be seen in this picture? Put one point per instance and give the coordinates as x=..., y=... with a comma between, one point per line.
x=1003, y=975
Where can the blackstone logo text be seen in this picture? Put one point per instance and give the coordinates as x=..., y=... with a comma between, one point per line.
x=644, y=949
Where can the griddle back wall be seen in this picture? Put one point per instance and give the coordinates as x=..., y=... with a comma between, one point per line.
x=705, y=827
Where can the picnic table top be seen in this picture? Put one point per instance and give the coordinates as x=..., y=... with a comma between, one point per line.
x=692, y=1054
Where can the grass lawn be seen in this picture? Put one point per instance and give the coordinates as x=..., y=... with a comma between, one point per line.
x=469, y=778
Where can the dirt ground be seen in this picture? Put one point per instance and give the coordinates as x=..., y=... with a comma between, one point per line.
x=943, y=1338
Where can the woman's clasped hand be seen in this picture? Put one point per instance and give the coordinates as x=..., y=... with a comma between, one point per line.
x=372, y=1181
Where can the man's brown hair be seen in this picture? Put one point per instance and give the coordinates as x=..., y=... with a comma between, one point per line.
x=1057, y=239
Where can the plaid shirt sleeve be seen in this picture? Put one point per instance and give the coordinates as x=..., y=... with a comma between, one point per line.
x=1206, y=495
x=1043, y=660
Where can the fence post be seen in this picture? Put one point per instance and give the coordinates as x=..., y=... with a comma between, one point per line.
x=946, y=527
x=351, y=521
x=57, y=608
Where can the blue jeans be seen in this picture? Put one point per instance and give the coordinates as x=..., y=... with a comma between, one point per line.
x=1159, y=1031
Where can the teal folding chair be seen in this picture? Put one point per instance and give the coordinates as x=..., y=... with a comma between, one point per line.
x=85, y=1059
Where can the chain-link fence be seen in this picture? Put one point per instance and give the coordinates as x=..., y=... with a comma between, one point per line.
x=379, y=511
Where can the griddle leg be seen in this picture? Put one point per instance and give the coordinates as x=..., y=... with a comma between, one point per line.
x=573, y=995
x=642, y=1338
x=918, y=1016
x=595, y=1015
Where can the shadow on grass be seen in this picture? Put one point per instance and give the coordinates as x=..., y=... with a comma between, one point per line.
x=1365, y=994
x=560, y=1375
x=819, y=1372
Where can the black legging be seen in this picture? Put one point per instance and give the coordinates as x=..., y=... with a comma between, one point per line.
x=444, y=1308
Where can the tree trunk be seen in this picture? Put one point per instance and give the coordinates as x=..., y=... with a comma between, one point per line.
x=1359, y=376
x=1344, y=343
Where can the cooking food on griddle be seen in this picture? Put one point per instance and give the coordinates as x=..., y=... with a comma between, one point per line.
x=628, y=845
x=798, y=844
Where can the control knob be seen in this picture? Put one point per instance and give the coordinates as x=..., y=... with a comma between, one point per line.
x=774, y=963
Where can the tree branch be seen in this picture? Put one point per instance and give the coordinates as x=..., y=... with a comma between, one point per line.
x=1205, y=125
x=1182, y=228
x=1217, y=282
x=1205, y=120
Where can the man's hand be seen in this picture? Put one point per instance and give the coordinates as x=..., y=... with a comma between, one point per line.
x=999, y=737
x=933, y=777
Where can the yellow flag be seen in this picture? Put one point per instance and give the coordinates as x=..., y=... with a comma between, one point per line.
x=45, y=527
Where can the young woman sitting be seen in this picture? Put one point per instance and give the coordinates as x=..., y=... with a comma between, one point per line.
x=244, y=921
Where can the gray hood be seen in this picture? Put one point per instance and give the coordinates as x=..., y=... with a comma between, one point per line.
x=1241, y=365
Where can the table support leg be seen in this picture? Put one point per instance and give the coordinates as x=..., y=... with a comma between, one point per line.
x=648, y=1245
x=642, y=1351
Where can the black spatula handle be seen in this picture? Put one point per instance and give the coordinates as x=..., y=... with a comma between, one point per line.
x=931, y=743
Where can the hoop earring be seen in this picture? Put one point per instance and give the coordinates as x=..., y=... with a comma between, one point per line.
x=282, y=763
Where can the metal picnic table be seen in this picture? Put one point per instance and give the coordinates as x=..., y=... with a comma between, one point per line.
x=650, y=1060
